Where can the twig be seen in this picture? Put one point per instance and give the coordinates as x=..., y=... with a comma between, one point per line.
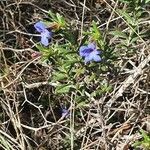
x=38, y=84
x=20, y=73
x=83, y=12
x=130, y=80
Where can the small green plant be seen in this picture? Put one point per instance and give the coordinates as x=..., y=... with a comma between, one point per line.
x=65, y=55
x=144, y=143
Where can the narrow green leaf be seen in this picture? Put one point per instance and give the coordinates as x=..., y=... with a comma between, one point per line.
x=59, y=76
x=118, y=34
x=127, y=17
x=62, y=89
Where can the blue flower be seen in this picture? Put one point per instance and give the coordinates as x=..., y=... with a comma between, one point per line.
x=90, y=53
x=45, y=34
x=65, y=112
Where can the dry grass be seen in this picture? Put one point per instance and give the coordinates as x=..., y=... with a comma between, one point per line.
x=28, y=117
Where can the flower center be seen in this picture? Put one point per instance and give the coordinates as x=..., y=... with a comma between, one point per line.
x=40, y=29
x=88, y=51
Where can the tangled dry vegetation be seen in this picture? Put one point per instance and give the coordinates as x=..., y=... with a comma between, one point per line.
x=29, y=119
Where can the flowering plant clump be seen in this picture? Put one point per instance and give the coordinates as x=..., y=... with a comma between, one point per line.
x=46, y=35
x=90, y=53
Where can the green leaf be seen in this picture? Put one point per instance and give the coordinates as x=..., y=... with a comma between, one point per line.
x=147, y=1
x=144, y=142
x=59, y=76
x=128, y=18
x=95, y=31
x=81, y=104
x=63, y=89
x=79, y=71
x=71, y=36
x=58, y=19
x=134, y=39
x=145, y=136
x=4, y=143
x=118, y=34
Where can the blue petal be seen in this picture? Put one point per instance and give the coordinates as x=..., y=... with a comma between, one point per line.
x=92, y=46
x=97, y=58
x=44, y=41
x=85, y=51
x=95, y=52
x=82, y=51
x=65, y=112
x=93, y=57
x=87, y=59
x=45, y=36
x=40, y=26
